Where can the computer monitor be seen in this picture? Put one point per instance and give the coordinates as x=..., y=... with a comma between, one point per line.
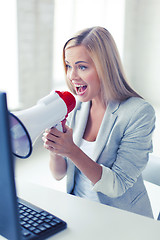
x=9, y=219
x=45, y=223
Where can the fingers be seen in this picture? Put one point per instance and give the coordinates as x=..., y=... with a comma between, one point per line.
x=48, y=147
x=54, y=131
x=56, y=141
x=50, y=138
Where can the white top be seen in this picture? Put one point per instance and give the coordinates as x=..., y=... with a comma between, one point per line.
x=85, y=188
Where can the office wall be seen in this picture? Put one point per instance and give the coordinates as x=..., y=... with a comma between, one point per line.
x=73, y=15
x=133, y=23
x=35, y=41
x=8, y=51
x=142, y=47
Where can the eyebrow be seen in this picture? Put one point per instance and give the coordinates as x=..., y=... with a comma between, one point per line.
x=78, y=62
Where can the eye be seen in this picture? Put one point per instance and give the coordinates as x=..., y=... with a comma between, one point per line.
x=68, y=66
x=82, y=67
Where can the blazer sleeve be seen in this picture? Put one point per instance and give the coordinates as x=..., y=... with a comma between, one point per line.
x=132, y=155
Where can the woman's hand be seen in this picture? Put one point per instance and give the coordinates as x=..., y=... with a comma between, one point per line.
x=57, y=142
x=61, y=144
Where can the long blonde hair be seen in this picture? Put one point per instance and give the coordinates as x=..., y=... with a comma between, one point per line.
x=103, y=51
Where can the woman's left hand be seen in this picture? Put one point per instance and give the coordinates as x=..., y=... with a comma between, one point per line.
x=60, y=142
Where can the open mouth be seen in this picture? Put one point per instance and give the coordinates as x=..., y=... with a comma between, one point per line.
x=80, y=89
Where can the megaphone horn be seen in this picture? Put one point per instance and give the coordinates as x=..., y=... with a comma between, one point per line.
x=27, y=125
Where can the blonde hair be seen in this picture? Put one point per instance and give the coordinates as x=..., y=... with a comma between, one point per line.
x=104, y=53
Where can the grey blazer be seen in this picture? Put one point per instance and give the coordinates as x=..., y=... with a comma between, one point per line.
x=123, y=144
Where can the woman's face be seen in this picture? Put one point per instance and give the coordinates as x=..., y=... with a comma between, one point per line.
x=82, y=74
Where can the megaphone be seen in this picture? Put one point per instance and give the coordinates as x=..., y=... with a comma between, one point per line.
x=27, y=125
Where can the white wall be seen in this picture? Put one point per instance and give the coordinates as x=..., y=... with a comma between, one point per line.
x=35, y=44
x=73, y=15
x=43, y=28
x=142, y=47
x=8, y=51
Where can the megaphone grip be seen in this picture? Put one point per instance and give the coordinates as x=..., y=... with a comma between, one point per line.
x=61, y=126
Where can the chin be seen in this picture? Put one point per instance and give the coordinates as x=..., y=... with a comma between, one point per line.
x=84, y=99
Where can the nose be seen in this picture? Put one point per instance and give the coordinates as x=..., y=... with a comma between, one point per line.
x=73, y=75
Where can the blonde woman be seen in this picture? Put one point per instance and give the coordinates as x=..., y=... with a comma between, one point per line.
x=108, y=136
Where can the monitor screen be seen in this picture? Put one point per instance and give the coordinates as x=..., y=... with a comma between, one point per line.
x=9, y=226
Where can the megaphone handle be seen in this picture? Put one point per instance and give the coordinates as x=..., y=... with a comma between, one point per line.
x=61, y=126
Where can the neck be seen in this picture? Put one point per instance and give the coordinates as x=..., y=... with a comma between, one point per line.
x=98, y=104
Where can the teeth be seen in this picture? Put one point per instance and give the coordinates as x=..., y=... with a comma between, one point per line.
x=77, y=85
x=80, y=88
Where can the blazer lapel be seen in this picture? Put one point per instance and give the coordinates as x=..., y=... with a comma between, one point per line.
x=81, y=119
x=108, y=121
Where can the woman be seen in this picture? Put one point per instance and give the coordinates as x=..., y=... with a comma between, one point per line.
x=108, y=136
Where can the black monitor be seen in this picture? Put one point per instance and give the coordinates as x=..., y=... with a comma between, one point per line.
x=10, y=226
x=9, y=219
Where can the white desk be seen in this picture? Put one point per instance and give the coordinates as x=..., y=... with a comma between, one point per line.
x=89, y=220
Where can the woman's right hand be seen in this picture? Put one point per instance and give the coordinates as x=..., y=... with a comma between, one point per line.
x=58, y=164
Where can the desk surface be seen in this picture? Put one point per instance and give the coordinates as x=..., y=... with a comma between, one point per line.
x=89, y=220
